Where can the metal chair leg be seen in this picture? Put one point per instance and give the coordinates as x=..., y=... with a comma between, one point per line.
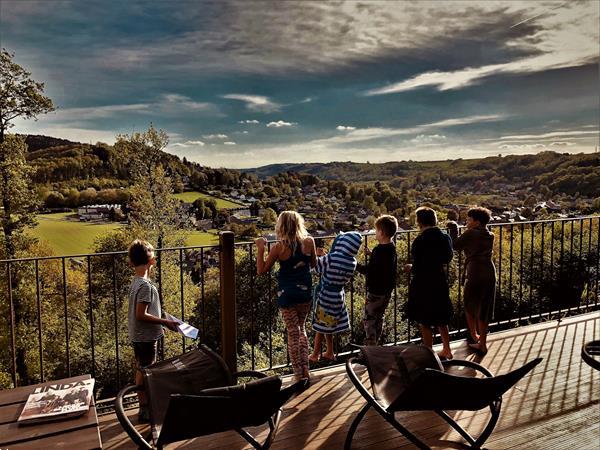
x=354, y=425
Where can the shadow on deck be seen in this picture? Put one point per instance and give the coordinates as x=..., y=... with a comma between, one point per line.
x=556, y=406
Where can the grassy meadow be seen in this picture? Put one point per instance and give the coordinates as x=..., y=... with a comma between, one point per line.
x=68, y=236
x=190, y=196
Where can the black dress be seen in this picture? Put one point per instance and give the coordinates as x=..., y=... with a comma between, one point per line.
x=428, y=293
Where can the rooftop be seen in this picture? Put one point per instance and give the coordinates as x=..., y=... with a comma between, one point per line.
x=552, y=407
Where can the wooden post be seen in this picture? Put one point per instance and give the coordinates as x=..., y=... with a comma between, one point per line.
x=228, y=314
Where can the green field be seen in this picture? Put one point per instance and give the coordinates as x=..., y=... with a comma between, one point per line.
x=189, y=197
x=69, y=236
x=72, y=237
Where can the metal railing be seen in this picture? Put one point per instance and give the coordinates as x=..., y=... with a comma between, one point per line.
x=67, y=315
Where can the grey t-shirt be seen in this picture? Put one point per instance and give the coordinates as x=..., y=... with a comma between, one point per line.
x=143, y=291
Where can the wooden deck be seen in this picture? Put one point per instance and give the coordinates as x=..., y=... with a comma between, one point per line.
x=556, y=407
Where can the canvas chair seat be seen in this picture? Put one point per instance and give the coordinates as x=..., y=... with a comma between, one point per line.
x=412, y=378
x=195, y=394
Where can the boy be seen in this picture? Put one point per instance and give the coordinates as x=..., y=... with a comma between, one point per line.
x=381, y=277
x=144, y=317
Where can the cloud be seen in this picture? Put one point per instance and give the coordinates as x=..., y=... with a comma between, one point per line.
x=373, y=133
x=188, y=144
x=167, y=104
x=317, y=37
x=281, y=124
x=561, y=144
x=536, y=146
x=563, y=37
x=553, y=134
x=425, y=139
x=258, y=103
x=253, y=121
x=344, y=128
x=229, y=143
x=214, y=136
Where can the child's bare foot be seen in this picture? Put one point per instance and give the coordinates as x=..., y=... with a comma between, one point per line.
x=314, y=358
x=479, y=348
x=445, y=354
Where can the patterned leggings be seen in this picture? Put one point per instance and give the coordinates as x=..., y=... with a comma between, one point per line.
x=294, y=318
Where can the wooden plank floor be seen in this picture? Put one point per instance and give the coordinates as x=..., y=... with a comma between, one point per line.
x=557, y=406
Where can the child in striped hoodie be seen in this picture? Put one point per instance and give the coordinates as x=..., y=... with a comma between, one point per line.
x=336, y=269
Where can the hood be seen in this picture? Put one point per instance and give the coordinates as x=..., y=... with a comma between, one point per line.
x=347, y=243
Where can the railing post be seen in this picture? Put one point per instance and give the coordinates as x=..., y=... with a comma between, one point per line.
x=228, y=314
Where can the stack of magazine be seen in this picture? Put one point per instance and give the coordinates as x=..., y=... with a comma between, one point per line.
x=57, y=401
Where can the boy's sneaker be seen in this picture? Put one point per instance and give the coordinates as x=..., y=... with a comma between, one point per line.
x=144, y=415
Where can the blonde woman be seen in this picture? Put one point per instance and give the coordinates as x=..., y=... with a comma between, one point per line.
x=296, y=253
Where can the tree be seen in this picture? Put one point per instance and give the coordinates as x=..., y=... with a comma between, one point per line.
x=18, y=195
x=153, y=209
x=20, y=96
x=269, y=217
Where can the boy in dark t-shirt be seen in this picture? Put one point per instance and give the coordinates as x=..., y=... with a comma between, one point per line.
x=381, y=277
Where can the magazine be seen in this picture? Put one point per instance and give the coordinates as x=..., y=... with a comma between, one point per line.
x=57, y=401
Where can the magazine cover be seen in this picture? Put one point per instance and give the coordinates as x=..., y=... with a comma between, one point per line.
x=57, y=401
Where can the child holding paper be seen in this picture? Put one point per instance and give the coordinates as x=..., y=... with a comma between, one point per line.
x=144, y=319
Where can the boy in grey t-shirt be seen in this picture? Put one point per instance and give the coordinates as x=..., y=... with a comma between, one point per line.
x=144, y=317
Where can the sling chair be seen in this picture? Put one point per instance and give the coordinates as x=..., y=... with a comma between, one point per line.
x=411, y=378
x=590, y=352
x=195, y=394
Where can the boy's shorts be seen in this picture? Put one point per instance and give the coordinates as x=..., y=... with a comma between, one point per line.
x=145, y=352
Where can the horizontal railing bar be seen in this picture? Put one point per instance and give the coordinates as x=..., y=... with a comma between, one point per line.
x=120, y=252
x=242, y=243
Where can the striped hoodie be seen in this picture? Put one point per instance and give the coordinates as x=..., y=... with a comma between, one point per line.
x=336, y=269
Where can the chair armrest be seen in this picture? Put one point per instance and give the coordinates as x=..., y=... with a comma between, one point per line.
x=124, y=420
x=248, y=373
x=465, y=363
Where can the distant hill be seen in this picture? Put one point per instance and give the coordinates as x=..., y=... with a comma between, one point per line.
x=564, y=172
x=61, y=163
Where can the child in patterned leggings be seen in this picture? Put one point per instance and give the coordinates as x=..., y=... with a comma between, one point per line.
x=296, y=253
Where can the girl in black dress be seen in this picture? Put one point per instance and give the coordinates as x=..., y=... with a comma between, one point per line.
x=428, y=294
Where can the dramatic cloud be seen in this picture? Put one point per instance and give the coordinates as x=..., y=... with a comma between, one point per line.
x=256, y=103
x=469, y=76
x=280, y=124
x=229, y=143
x=558, y=43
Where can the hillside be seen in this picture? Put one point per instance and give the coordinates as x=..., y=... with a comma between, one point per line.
x=63, y=164
x=568, y=173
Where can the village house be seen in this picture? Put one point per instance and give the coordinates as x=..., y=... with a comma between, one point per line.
x=98, y=212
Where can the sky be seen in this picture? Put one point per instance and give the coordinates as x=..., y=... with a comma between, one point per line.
x=241, y=84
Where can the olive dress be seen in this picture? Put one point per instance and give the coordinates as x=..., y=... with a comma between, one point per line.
x=480, y=272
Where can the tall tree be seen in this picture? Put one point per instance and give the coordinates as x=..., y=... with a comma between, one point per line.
x=20, y=95
x=153, y=210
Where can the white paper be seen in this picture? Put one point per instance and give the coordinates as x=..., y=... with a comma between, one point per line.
x=184, y=328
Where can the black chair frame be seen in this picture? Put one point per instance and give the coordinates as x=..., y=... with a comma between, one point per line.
x=273, y=421
x=372, y=402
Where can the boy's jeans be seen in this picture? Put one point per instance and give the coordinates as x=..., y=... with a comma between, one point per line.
x=373, y=317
